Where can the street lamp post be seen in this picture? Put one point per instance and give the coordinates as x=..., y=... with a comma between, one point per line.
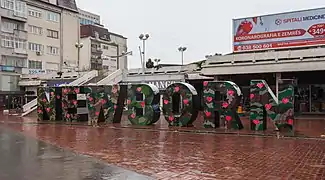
x=143, y=37
x=78, y=46
x=182, y=49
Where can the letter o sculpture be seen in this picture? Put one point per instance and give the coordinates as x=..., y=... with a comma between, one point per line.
x=187, y=97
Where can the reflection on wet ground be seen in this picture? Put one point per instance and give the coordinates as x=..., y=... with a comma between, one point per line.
x=180, y=154
x=23, y=158
x=303, y=127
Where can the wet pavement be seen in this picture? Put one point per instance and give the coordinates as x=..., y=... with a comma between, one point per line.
x=176, y=154
x=312, y=127
x=25, y=158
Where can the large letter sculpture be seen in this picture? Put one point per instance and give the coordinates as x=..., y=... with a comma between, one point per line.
x=264, y=103
x=70, y=103
x=221, y=100
x=105, y=103
x=46, y=98
x=179, y=104
x=143, y=104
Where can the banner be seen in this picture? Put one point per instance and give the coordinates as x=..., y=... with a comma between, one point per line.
x=285, y=30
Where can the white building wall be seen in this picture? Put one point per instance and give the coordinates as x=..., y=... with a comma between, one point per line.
x=122, y=43
x=71, y=34
x=109, y=51
x=85, y=53
x=38, y=25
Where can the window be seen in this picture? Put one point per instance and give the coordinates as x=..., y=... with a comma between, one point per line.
x=8, y=26
x=20, y=43
x=35, y=30
x=105, y=47
x=94, y=46
x=52, y=34
x=7, y=41
x=34, y=13
x=35, y=47
x=13, y=61
x=8, y=4
x=11, y=42
x=34, y=64
x=113, y=60
x=51, y=16
x=52, y=50
x=20, y=9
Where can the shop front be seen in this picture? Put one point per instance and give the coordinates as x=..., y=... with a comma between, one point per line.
x=309, y=89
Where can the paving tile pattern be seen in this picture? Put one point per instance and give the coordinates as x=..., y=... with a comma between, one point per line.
x=314, y=127
x=23, y=158
x=179, y=155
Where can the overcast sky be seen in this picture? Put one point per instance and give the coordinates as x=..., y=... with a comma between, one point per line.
x=204, y=26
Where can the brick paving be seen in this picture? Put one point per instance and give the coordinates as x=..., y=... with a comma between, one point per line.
x=303, y=127
x=24, y=158
x=187, y=155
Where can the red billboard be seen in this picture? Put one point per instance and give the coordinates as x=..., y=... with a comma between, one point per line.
x=285, y=30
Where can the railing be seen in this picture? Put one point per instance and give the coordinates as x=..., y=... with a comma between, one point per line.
x=268, y=56
x=113, y=78
x=83, y=79
x=29, y=107
x=32, y=105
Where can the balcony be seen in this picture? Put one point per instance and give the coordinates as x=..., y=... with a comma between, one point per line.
x=21, y=53
x=21, y=34
x=11, y=14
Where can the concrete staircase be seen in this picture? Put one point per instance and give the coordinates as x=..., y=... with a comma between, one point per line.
x=32, y=105
x=113, y=78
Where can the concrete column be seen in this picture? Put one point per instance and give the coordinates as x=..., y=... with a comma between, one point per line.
x=277, y=78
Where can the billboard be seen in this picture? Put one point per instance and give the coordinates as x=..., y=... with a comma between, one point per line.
x=285, y=30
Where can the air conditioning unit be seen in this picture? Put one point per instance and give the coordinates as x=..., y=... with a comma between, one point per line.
x=38, y=53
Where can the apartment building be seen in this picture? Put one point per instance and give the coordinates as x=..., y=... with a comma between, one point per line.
x=86, y=18
x=101, y=49
x=13, y=54
x=37, y=36
x=53, y=31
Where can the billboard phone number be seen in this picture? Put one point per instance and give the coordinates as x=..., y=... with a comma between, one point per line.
x=254, y=47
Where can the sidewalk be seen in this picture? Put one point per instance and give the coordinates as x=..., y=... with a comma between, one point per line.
x=175, y=155
x=23, y=158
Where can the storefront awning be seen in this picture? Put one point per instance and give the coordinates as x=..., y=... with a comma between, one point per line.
x=29, y=83
x=197, y=76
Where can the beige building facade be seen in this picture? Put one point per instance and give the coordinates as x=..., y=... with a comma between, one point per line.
x=53, y=31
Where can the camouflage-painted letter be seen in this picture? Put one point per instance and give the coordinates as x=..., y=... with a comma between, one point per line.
x=70, y=103
x=185, y=113
x=264, y=103
x=105, y=104
x=143, y=104
x=46, y=103
x=221, y=100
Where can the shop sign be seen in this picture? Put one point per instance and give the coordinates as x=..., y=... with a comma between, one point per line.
x=36, y=71
x=162, y=84
x=7, y=68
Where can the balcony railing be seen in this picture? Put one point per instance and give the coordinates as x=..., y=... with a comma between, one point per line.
x=20, y=33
